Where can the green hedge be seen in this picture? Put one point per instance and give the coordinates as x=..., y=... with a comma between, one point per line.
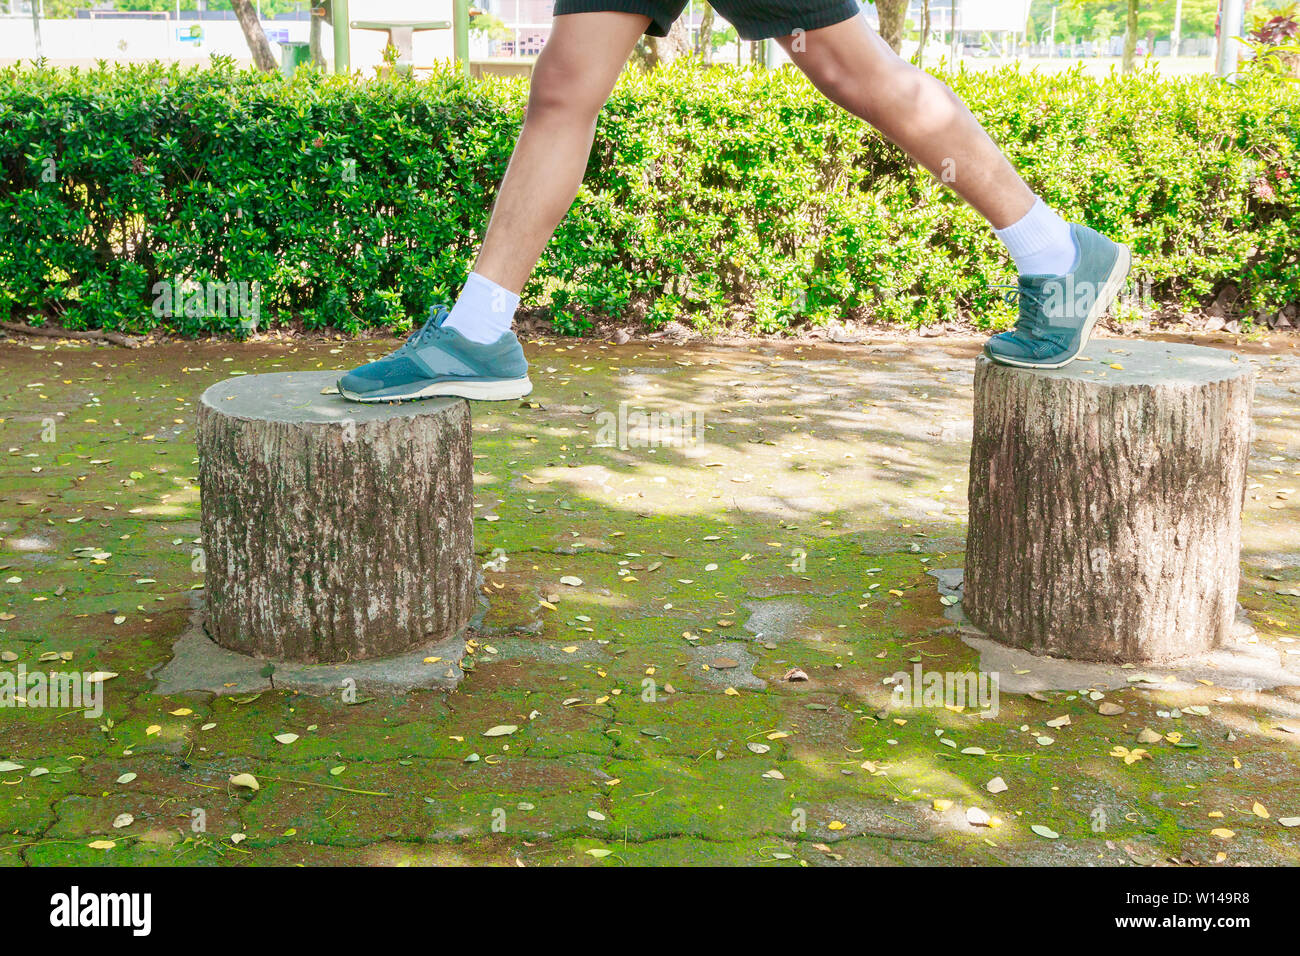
x=712, y=197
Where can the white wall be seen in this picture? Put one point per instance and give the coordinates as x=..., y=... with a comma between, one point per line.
x=82, y=42
x=992, y=15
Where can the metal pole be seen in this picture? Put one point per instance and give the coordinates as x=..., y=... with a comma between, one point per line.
x=953, y=53
x=460, y=27
x=1051, y=40
x=1177, y=36
x=1232, y=13
x=342, y=37
x=36, y=26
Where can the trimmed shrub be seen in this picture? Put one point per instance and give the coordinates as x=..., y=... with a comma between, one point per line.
x=147, y=196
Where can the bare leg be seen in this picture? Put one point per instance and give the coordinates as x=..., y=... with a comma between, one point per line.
x=575, y=73
x=856, y=69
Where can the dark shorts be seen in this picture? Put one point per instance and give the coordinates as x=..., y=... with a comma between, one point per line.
x=753, y=19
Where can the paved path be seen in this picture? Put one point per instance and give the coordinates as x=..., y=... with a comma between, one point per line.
x=780, y=510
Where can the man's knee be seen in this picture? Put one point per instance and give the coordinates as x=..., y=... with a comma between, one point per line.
x=561, y=90
x=837, y=83
x=868, y=89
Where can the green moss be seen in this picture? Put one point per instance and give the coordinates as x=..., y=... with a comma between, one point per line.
x=797, y=546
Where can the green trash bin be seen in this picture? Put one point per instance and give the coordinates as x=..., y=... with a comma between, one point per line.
x=293, y=54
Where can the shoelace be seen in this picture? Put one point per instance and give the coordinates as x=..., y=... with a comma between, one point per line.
x=430, y=330
x=1019, y=297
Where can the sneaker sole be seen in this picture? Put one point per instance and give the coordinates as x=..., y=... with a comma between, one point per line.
x=1105, y=298
x=500, y=391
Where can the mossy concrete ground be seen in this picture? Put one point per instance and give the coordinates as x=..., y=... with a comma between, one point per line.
x=784, y=516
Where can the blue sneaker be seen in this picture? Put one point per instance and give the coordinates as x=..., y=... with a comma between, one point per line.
x=1057, y=313
x=437, y=361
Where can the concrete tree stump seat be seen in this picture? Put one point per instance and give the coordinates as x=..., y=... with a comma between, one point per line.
x=1105, y=503
x=332, y=530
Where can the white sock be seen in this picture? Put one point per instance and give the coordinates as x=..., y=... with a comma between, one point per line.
x=484, y=310
x=1040, y=243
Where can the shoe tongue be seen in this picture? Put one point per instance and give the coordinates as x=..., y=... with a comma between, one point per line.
x=437, y=315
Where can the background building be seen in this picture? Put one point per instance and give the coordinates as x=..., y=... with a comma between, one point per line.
x=73, y=32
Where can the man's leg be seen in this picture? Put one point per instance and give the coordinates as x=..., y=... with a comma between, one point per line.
x=575, y=73
x=854, y=68
x=471, y=352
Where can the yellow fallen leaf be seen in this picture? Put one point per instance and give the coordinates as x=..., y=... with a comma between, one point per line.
x=1259, y=811
x=151, y=730
x=835, y=825
x=180, y=712
x=246, y=780
x=941, y=805
x=1223, y=833
x=1129, y=756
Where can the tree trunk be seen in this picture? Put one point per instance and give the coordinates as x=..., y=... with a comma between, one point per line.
x=314, y=43
x=1131, y=37
x=333, y=531
x=893, y=18
x=704, y=42
x=258, y=45
x=1105, y=503
x=661, y=51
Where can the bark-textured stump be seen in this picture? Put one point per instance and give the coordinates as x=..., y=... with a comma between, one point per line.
x=333, y=530
x=1105, y=502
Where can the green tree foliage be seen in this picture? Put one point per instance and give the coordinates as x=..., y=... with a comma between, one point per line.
x=1093, y=19
x=490, y=26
